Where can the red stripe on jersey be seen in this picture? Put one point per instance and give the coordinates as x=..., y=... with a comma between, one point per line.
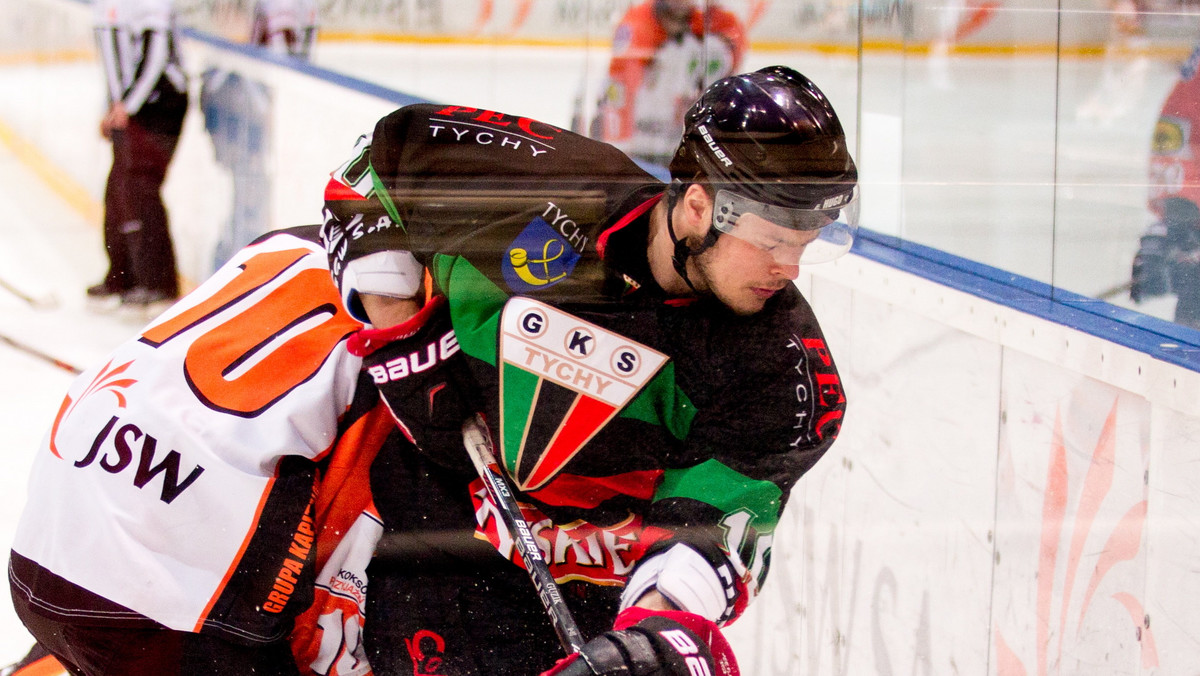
x=602, y=240
x=572, y=490
x=587, y=415
x=335, y=190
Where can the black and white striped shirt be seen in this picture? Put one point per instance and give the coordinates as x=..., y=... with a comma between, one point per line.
x=136, y=39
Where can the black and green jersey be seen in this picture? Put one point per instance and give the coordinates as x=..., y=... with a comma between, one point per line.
x=627, y=419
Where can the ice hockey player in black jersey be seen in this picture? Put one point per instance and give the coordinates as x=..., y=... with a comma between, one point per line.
x=654, y=381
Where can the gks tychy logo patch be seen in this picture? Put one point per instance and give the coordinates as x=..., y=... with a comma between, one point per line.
x=561, y=380
x=538, y=258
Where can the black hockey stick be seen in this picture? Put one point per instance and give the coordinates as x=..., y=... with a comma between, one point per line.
x=1113, y=292
x=479, y=446
x=40, y=355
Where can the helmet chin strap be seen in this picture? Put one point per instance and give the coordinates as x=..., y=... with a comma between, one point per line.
x=682, y=251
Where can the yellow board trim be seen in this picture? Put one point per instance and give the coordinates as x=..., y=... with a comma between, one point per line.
x=69, y=190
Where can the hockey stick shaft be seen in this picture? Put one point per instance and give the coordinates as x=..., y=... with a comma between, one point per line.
x=1110, y=293
x=478, y=442
x=26, y=298
x=39, y=354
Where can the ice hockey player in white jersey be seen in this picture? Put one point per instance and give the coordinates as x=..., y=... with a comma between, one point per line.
x=285, y=26
x=664, y=53
x=170, y=526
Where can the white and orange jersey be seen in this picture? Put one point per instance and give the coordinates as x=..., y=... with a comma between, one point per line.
x=653, y=79
x=285, y=26
x=328, y=639
x=178, y=480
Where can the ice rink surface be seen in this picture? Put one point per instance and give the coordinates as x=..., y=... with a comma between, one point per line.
x=52, y=251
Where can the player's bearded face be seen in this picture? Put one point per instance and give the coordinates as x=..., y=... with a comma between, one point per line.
x=743, y=274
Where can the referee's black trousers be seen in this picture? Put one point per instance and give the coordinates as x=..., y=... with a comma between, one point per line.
x=137, y=237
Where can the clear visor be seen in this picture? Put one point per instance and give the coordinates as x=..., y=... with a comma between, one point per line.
x=791, y=236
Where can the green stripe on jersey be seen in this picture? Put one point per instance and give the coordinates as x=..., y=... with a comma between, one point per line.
x=716, y=484
x=475, y=304
x=518, y=387
x=661, y=402
x=385, y=198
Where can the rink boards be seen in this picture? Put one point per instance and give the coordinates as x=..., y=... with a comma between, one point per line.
x=1010, y=495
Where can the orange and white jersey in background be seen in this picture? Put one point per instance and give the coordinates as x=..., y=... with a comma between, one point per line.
x=653, y=80
x=285, y=26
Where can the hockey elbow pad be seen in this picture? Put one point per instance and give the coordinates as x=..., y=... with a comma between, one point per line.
x=422, y=376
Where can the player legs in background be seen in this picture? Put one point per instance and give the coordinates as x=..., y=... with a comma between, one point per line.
x=147, y=238
x=147, y=101
x=141, y=260
x=116, y=214
x=237, y=113
x=1126, y=64
x=1168, y=259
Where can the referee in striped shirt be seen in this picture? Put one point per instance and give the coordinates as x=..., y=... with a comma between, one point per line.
x=147, y=101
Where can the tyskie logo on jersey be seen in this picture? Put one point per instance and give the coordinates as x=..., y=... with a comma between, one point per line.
x=538, y=258
x=575, y=551
x=562, y=380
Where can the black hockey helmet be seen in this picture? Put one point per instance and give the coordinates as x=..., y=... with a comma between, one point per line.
x=771, y=139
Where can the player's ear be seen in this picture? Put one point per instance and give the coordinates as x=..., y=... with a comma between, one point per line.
x=697, y=211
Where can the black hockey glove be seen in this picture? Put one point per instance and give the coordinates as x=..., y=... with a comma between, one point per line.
x=653, y=643
x=422, y=376
x=1184, y=272
x=1150, y=274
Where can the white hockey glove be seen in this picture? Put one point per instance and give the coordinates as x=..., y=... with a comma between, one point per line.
x=687, y=579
